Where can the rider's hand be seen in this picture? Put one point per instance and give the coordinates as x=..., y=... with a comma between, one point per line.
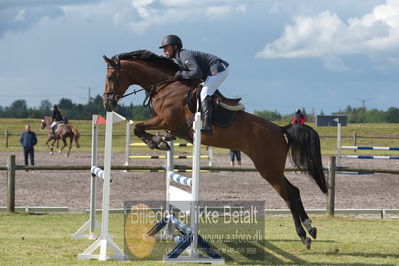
x=178, y=75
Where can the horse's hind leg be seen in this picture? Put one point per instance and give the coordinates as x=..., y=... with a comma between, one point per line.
x=290, y=195
x=70, y=146
x=305, y=220
x=294, y=202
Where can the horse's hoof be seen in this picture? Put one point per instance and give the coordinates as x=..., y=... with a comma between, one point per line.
x=307, y=242
x=169, y=137
x=152, y=145
x=59, y=151
x=164, y=146
x=313, y=232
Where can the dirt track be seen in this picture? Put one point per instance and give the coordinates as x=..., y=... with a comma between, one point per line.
x=71, y=188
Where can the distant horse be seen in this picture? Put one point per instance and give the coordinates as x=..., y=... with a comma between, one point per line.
x=263, y=141
x=62, y=132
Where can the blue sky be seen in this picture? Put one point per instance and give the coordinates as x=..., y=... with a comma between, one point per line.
x=321, y=55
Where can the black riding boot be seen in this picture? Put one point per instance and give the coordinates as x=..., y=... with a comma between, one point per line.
x=206, y=109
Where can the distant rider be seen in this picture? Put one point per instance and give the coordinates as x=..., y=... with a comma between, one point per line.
x=57, y=118
x=299, y=118
x=198, y=65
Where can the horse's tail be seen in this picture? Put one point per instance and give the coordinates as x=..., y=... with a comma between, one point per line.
x=304, y=142
x=76, y=136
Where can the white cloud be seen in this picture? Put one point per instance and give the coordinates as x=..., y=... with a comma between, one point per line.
x=21, y=15
x=326, y=35
x=143, y=14
x=136, y=15
x=17, y=15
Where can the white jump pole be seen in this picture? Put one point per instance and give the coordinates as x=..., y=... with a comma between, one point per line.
x=339, y=139
x=127, y=144
x=104, y=241
x=169, y=167
x=210, y=155
x=195, y=183
x=92, y=224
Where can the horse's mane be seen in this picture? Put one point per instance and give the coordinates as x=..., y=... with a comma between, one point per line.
x=148, y=57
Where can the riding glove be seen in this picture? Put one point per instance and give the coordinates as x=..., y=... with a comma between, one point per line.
x=178, y=75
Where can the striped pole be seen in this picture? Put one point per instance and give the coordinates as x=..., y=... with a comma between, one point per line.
x=164, y=157
x=179, y=179
x=180, y=225
x=140, y=144
x=370, y=148
x=98, y=172
x=369, y=156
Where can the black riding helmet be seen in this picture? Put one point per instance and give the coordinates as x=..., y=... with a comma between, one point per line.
x=171, y=40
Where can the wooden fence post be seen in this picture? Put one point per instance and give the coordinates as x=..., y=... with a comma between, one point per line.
x=11, y=183
x=331, y=186
x=6, y=138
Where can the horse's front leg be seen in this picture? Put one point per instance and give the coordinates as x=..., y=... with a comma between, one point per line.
x=152, y=141
x=51, y=146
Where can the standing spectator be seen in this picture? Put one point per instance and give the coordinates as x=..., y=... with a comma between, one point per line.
x=28, y=140
x=237, y=155
x=298, y=117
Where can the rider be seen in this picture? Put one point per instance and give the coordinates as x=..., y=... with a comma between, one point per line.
x=197, y=65
x=299, y=118
x=57, y=118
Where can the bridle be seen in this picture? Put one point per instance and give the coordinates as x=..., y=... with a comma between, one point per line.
x=115, y=96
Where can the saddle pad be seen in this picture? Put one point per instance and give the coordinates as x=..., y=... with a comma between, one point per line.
x=222, y=117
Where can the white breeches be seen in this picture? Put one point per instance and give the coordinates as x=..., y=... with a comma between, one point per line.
x=54, y=124
x=212, y=83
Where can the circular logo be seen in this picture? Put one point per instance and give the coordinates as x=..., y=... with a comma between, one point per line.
x=139, y=221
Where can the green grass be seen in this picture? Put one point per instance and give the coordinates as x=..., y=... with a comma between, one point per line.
x=16, y=127
x=45, y=240
x=328, y=145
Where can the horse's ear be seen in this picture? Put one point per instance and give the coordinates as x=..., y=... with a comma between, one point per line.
x=109, y=61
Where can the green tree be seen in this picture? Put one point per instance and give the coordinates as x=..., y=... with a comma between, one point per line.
x=19, y=105
x=392, y=115
x=268, y=115
x=375, y=116
x=45, y=105
x=65, y=103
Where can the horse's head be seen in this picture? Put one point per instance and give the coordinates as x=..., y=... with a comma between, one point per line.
x=42, y=124
x=116, y=83
x=140, y=67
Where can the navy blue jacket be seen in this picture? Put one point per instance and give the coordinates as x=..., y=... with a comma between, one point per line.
x=28, y=139
x=199, y=65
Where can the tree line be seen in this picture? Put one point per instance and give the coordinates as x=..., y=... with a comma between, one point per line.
x=71, y=110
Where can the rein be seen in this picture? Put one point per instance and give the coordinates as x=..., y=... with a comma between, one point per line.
x=152, y=90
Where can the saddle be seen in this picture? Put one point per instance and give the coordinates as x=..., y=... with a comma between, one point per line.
x=224, y=109
x=58, y=126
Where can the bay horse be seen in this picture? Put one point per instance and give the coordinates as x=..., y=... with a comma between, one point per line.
x=267, y=144
x=63, y=132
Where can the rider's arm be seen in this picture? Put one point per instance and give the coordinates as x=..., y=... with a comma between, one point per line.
x=191, y=68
